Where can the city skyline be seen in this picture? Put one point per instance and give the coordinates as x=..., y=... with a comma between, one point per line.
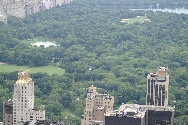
x=24, y=8
x=99, y=107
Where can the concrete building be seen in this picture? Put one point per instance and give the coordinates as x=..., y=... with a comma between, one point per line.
x=3, y=18
x=23, y=100
x=157, y=88
x=133, y=114
x=23, y=8
x=8, y=112
x=155, y=112
x=21, y=108
x=96, y=106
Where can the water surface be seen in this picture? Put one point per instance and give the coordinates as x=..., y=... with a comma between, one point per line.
x=176, y=10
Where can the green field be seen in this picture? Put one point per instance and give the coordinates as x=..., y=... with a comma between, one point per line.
x=48, y=69
x=139, y=19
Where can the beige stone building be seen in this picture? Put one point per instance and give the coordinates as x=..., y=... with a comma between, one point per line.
x=157, y=88
x=21, y=108
x=96, y=106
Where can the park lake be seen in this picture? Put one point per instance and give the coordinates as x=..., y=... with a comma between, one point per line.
x=42, y=41
x=176, y=10
x=46, y=42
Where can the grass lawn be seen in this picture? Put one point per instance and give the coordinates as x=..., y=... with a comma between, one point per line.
x=48, y=69
x=139, y=19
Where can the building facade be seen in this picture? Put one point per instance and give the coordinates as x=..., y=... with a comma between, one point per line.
x=8, y=112
x=157, y=87
x=96, y=106
x=23, y=100
x=21, y=108
x=24, y=8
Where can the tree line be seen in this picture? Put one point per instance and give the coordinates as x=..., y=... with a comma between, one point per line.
x=97, y=49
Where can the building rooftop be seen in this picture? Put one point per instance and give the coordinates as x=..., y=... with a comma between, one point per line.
x=146, y=107
x=136, y=111
x=162, y=68
x=23, y=78
x=92, y=88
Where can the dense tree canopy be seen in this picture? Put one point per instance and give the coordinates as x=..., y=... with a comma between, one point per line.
x=97, y=49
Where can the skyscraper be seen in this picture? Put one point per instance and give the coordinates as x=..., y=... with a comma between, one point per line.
x=157, y=87
x=96, y=106
x=23, y=100
x=155, y=112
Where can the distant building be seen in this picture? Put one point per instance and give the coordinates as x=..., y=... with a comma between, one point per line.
x=24, y=8
x=96, y=106
x=157, y=88
x=3, y=18
x=21, y=108
x=133, y=114
x=8, y=112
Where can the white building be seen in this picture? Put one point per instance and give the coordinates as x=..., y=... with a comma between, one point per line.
x=23, y=100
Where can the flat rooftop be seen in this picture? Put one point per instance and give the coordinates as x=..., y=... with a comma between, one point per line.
x=136, y=111
x=146, y=107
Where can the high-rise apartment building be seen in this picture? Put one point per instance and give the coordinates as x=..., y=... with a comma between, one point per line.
x=24, y=8
x=157, y=87
x=23, y=100
x=96, y=106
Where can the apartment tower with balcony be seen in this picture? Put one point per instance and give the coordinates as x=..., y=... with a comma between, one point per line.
x=157, y=87
x=96, y=107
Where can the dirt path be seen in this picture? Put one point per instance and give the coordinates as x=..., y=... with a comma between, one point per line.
x=70, y=114
x=2, y=63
